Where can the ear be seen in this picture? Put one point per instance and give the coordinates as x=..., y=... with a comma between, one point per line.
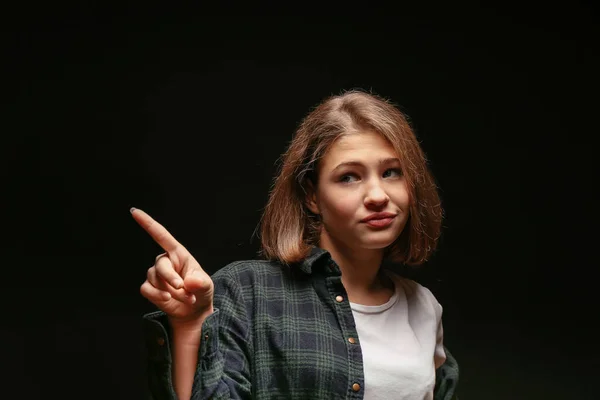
x=311, y=198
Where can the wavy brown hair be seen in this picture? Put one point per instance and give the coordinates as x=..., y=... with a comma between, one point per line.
x=289, y=229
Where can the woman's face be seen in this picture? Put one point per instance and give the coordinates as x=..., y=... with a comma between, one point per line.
x=360, y=178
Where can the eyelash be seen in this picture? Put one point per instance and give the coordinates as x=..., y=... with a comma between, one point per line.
x=343, y=177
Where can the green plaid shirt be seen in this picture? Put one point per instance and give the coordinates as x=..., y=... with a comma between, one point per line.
x=277, y=333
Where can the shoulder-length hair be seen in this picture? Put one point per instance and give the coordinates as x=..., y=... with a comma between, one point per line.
x=289, y=229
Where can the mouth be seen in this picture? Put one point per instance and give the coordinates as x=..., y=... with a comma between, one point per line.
x=378, y=216
x=379, y=220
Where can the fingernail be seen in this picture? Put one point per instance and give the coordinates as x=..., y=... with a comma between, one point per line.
x=132, y=209
x=178, y=283
x=193, y=299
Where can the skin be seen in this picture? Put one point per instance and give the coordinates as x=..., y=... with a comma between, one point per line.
x=360, y=175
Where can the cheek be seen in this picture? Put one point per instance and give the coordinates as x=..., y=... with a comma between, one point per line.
x=340, y=205
x=401, y=196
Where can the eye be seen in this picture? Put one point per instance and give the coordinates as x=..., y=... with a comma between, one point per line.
x=392, y=173
x=348, y=178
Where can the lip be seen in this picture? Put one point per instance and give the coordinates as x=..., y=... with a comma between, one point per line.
x=379, y=220
x=378, y=216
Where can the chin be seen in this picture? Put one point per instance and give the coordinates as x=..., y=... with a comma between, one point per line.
x=377, y=244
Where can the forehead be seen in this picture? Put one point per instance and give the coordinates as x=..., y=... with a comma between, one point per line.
x=361, y=146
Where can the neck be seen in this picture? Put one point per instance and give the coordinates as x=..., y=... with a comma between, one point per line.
x=360, y=269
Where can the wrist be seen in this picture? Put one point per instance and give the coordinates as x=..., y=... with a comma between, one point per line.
x=191, y=324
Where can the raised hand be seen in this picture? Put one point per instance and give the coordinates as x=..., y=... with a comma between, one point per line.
x=176, y=283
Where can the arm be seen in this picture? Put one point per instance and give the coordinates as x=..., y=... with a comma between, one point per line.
x=446, y=379
x=192, y=351
x=185, y=348
x=212, y=363
x=446, y=374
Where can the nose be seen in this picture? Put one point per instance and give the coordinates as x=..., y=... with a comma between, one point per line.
x=376, y=196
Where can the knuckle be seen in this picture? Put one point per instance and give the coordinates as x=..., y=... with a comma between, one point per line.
x=163, y=263
x=144, y=289
x=165, y=270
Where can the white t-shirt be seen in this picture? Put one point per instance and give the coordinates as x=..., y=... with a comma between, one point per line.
x=401, y=343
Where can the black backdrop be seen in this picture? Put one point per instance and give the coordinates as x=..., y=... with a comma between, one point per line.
x=183, y=112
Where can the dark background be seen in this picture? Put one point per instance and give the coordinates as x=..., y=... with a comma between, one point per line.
x=183, y=112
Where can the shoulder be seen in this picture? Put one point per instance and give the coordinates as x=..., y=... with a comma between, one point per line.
x=415, y=292
x=250, y=270
x=410, y=287
x=254, y=283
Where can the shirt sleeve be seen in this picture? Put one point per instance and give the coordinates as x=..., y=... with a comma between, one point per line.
x=447, y=372
x=439, y=354
x=223, y=370
x=446, y=379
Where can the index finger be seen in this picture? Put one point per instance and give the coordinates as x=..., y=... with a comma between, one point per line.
x=158, y=232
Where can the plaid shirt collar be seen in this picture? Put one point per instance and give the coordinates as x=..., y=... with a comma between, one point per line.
x=319, y=260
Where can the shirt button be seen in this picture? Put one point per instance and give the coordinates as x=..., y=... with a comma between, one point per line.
x=352, y=340
x=160, y=341
x=339, y=299
x=356, y=387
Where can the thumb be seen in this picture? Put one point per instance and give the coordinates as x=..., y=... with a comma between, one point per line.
x=195, y=281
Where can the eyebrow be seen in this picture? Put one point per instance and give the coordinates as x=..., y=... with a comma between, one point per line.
x=354, y=163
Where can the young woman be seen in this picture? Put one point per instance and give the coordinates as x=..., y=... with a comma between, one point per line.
x=318, y=317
